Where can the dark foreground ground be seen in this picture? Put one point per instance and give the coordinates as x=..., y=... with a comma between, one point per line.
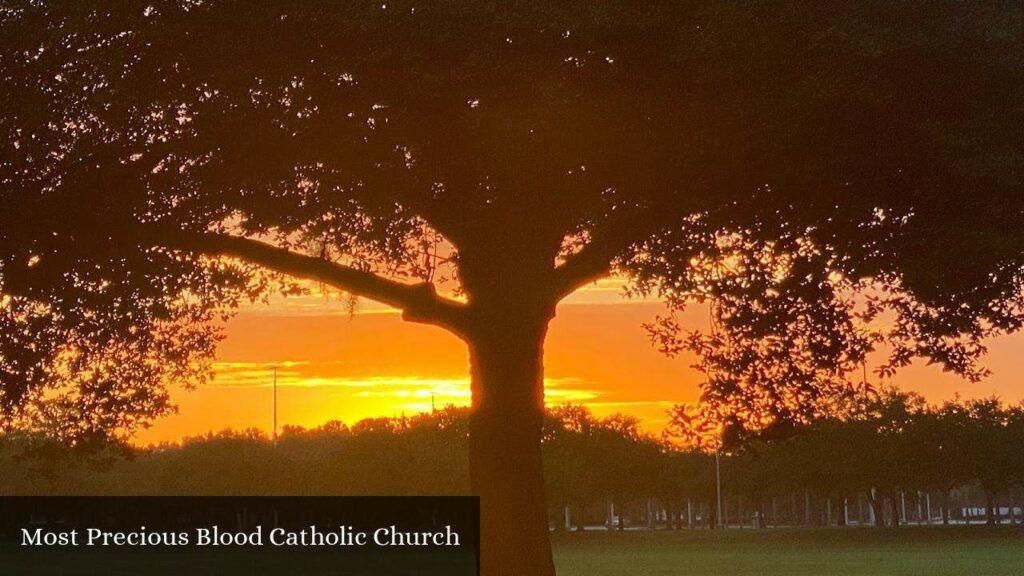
x=907, y=551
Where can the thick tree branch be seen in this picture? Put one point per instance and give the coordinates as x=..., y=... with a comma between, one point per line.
x=594, y=261
x=418, y=302
x=588, y=265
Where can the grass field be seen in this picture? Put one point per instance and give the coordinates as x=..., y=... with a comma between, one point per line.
x=907, y=551
x=142, y=561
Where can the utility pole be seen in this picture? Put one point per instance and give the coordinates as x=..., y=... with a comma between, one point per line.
x=713, y=320
x=718, y=487
x=275, y=406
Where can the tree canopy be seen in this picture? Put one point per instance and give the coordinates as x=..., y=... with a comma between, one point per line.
x=473, y=163
x=793, y=142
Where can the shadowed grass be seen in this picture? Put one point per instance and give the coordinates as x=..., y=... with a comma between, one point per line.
x=908, y=551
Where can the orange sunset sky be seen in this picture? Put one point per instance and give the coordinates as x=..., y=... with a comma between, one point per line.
x=336, y=366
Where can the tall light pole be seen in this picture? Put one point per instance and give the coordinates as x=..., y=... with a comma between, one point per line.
x=713, y=321
x=275, y=406
x=718, y=486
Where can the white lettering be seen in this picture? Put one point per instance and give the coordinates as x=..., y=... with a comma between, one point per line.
x=40, y=538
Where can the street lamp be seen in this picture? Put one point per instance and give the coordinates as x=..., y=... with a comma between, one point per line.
x=718, y=485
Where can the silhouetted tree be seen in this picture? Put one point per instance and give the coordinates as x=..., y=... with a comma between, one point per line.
x=683, y=478
x=569, y=460
x=511, y=154
x=990, y=452
x=943, y=452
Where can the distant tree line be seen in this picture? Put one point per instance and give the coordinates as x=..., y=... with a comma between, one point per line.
x=423, y=454
x=902, y=458
x=898, y=460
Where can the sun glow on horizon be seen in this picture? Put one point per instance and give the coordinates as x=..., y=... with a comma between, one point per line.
x=335, y=362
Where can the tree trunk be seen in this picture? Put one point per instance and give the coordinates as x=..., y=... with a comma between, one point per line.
x=793, y=515
x=945, y=507
x=505, y=465
x=894, y=508
x=807, y=507
x=876, y=500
